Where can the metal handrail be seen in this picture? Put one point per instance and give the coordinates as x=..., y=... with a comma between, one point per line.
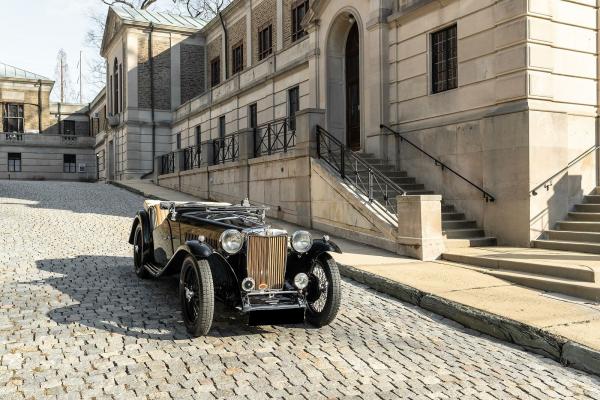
x=167, y=163
x=274, y=137
x=548, y=182
x=226, y=149
x=486, y=195
x=191, y=157
x=352, y=167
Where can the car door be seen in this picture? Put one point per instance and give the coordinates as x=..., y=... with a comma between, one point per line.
x=163, y=239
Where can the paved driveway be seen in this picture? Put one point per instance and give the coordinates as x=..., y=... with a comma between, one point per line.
x=76, y=322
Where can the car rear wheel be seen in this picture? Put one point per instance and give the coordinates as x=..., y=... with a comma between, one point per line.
x=138, y=254
x=324, y=291
x=197, y=296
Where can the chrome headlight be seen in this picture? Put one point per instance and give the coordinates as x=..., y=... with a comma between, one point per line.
x=301, y=241
x=231, y=240
x=301, y=280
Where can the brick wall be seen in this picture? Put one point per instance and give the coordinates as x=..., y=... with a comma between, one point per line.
x=237, y=35
x=192, y=71
x=213, y=50
x=263, y=14
x=162, y=73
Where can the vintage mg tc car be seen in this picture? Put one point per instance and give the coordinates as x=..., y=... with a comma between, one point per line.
x=228, y=253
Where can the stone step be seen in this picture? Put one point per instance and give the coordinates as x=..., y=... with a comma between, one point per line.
x=402, y=180
x=452, y=216
x=579, y=226
x=574, y=236
x=591, y=199
x=462, y=224
x=495, y=262
x=448, y=208
x=464, y=233
x=419, y=192
x=584, y=290
x=584, y=216
x=482, y=241
x=587, y=207
x=567, y=246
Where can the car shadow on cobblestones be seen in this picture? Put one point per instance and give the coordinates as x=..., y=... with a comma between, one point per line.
x=105, y=293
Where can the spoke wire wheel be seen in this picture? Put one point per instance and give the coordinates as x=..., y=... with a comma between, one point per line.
x=320, y=285
x=191, y=288
x=197, y=294
x=138, y=254
x=324, y=291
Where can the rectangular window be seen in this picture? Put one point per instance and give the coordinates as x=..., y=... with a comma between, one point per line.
x=299, y=9
x=198, y=136
x=215, y=71
x=14, y=162
x=252, y=116
x=293, y=105
x=265, y=42
x=222, y=126
x=68, y=127
x=237, y=56
x=13, y=118
x=178, y=141
x=444, y=65
x=69, y=163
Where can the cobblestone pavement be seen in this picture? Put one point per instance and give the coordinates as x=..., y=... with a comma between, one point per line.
x=76, y=322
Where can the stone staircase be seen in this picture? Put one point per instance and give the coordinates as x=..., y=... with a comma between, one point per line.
x=579, y=232
x=457, y=229
x=569, y=273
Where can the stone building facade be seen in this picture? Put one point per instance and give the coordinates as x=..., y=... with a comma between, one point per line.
x=504, y=92
x=40, y=139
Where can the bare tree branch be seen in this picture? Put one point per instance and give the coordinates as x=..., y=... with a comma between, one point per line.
x=113, y=2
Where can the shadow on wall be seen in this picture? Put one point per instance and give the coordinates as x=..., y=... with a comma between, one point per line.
x=109, y=296
x=558, y=204
x=78, y=197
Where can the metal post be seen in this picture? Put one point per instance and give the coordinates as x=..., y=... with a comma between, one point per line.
x=285, y=126
x=370, y=185
x=343, y=162
x=269, y=138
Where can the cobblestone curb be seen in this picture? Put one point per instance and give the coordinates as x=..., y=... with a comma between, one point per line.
x=532, y=338
x=136, y=191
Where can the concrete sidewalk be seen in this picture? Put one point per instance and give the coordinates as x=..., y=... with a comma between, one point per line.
x=558, y=326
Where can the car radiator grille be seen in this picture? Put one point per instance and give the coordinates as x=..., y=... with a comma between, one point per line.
x=266, y=257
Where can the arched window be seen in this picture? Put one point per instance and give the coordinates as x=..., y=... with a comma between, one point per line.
x=116, y=87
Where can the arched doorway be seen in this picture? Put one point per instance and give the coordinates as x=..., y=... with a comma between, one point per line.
x=344, y=80
x=352, y=89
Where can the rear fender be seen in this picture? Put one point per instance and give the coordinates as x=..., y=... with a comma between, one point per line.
x=142, y=218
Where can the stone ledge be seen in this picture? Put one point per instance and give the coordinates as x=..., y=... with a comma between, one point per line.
x=529, y=337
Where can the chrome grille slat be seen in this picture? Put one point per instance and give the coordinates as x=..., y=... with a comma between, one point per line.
x=265, y=260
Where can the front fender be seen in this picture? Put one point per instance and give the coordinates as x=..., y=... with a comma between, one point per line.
x=141, y=217
x=321, y=246
x=191, y=247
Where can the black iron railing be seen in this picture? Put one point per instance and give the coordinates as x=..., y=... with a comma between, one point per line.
x=192, y=157
x=14, y=136
x=487, y=196
x=548, y=182
x=274, y=137
x=226, y=149
x=167, y=163
x=377, y=188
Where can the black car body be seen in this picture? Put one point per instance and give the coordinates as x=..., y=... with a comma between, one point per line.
x=229, y=253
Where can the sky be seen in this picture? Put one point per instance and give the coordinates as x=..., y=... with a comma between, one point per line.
x=33, y=32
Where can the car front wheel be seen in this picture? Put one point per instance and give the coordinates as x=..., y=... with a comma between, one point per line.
x=324, y=291
x=138, y=254
x=197, y=296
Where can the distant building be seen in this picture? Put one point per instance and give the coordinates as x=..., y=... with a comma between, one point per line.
x=40, y=139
